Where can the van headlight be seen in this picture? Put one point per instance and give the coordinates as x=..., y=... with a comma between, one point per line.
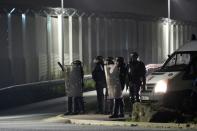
x=161, y=86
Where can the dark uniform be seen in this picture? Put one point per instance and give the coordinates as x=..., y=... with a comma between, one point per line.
x=136, y=77
x=123, y=71
x=78, y=100
x=74, y=87
x=98, y=75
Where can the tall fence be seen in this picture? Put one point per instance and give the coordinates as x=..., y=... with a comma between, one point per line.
x=31, y=40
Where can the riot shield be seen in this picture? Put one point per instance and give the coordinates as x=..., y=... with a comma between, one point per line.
x=113, y=81
x=107, y=76
x=73, y=81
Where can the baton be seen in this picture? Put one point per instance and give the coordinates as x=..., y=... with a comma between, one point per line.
x=60, y=66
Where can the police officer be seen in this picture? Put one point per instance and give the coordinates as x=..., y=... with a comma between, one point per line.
x=114, y=87
x=136, y=77
x=119, y=102
x=79, y=83
x=123, y=71
x=74, y=87
x=98, y=75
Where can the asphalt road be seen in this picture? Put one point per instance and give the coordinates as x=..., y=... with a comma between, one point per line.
x=54, y=106
x=30, y=118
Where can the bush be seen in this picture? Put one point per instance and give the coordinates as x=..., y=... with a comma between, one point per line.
x=89, y=85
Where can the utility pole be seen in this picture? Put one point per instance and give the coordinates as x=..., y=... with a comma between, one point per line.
x=62, y=30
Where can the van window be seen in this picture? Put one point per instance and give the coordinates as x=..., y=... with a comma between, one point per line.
x=177, y=62
x=179, y=59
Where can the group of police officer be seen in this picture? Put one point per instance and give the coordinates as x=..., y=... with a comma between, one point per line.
x=110, y=74
x=115, y=75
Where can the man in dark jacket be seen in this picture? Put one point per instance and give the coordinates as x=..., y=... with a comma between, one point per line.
x=123, y=71
x=119, y=102
x=98, y=75
x=136, y=77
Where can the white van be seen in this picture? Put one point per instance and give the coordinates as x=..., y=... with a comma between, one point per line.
x=175, y=79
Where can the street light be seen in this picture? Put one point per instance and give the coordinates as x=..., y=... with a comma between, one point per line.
x=62, y=30
x=168, y=9
x=168, y=28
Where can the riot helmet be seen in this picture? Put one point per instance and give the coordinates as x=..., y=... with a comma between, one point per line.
x=77, y=63
x=119, y=60
x=98, y=59
x=133, y=56
x=109, y=61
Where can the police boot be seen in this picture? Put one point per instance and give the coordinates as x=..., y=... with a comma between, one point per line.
x=82, y=107
x=76, y=105
x=115, y=109
x=69, y=106
x=121, y=106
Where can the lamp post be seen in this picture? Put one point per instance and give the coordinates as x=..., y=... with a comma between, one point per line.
x=168, y=9
x=168, y=24
x=62, y=29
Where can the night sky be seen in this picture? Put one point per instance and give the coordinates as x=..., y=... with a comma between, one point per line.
x=180, y=9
